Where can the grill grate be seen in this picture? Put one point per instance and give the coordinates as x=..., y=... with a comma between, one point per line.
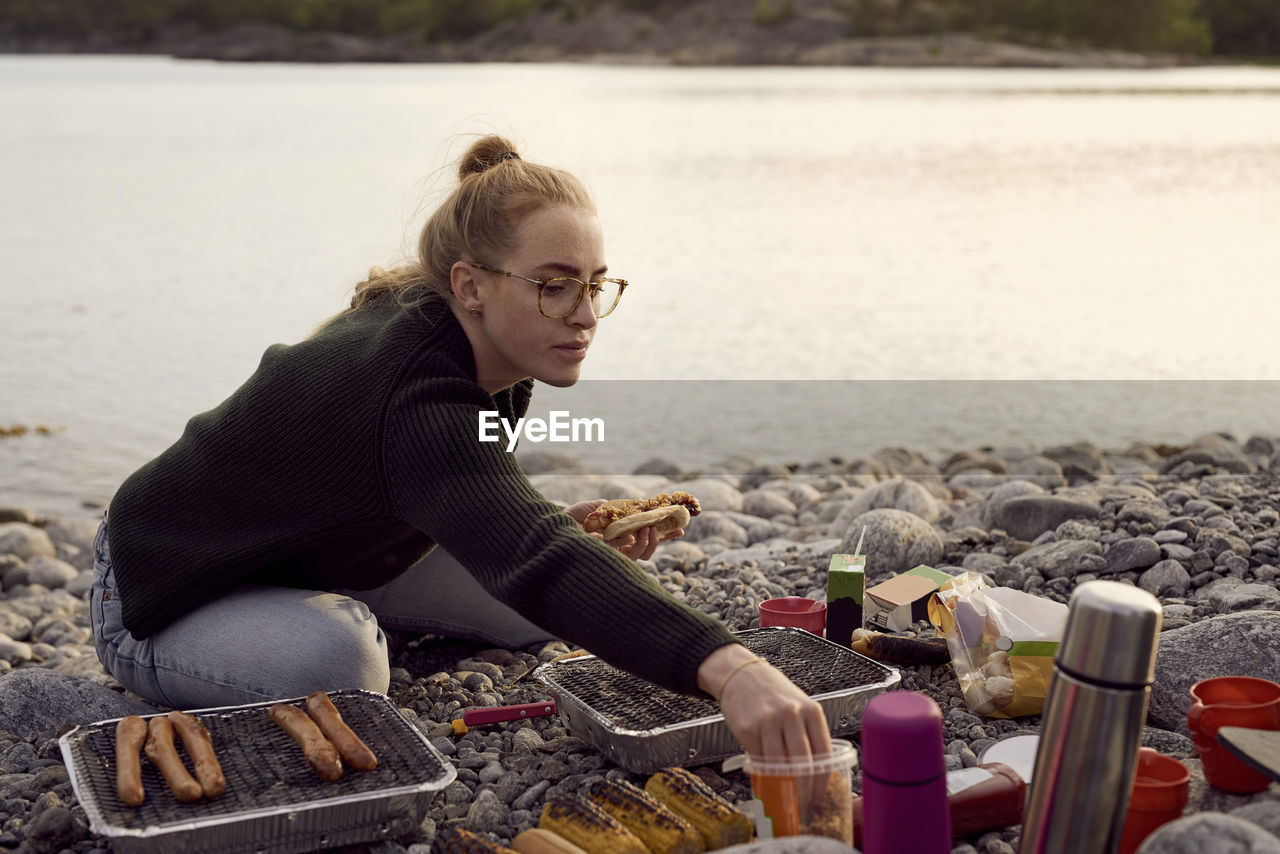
x=628, y=702
x=263, y=765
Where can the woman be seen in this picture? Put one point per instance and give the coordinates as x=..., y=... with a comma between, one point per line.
x=263, y=553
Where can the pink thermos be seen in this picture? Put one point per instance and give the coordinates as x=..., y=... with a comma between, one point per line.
x=904, y=782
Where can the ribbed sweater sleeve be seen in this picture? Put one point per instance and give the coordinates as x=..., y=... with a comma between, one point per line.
x=471, y=498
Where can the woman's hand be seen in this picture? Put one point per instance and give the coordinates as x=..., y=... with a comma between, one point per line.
x=765, y=711
x=638, y=546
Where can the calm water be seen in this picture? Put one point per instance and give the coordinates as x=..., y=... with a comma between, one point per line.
x=825, y=260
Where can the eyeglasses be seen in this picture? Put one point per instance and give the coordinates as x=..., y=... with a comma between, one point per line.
x=559, y=296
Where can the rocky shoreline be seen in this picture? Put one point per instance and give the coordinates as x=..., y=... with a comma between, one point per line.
x=1198, y=526
x=709, y=32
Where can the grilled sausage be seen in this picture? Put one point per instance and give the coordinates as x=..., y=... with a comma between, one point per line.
x=321, y=755
x=131, y=732
x=199, y=746
x=353, y=751
x=164, y=756
x=538, y=840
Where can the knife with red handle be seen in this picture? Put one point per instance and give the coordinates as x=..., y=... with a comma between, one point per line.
x=497, y=714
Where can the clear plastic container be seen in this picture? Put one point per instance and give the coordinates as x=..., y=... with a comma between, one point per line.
x=811, y=797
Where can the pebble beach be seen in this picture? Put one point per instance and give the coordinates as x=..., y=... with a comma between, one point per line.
x=1196, y=525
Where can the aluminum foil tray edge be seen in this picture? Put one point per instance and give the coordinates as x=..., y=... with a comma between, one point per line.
x=333, y=819
x=704, y=739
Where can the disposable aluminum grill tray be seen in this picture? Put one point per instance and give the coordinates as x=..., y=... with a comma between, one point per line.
x=274, y=802
x=644, y=727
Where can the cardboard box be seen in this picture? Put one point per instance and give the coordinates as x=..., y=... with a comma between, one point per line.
x=846, y=577
x=894, y=605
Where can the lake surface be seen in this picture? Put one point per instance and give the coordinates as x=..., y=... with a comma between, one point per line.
x=825, y=260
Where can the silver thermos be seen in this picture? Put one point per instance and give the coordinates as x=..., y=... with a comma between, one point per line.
x=1093, y=720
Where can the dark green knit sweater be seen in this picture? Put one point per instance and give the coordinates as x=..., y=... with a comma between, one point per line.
x=345, y=458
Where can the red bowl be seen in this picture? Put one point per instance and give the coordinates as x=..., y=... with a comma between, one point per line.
x=795, y=611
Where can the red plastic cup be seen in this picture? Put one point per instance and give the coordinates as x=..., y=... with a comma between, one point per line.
x=795, y=611
x=1243, y=701
x=1158, y=796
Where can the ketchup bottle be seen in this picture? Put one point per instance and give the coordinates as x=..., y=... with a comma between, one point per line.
x=988, y=797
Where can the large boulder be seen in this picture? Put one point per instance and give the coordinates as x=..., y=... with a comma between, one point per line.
x=1228, y=595
x=898, y=494
x=895, y=541
x=1210, y=831
x=1247, y=643
x=1006, y=492
x=1028, y=516
x=37, y=703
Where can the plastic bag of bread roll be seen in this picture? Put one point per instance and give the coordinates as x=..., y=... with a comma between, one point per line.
x=1002, y=643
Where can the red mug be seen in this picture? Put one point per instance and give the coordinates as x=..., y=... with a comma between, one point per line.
x=1243, y=701
x=1159, y=793
x=795, y=611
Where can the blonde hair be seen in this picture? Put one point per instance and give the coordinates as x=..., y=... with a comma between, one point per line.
x=496, y=189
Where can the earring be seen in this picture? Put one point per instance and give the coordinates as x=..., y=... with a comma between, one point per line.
x=475, y=312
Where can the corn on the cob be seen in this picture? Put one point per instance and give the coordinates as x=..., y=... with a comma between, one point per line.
x=693, y=800
x=658, y=827
x=539, y=840
x=459, y=840
x=589, y=827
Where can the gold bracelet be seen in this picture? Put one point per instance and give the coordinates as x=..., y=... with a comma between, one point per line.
x=729, y=675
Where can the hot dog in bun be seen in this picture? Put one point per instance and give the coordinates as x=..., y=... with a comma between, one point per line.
x=667, y=512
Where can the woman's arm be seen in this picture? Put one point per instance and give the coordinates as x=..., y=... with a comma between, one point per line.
x=765, y=711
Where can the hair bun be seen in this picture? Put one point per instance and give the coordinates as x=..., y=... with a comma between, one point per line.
x=486, y=153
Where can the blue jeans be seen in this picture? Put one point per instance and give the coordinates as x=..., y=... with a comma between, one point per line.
x=258, y=643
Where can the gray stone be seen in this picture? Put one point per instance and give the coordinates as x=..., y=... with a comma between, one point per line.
x=1057, y=560
x=1176, y=551
x=530, y=796
x=713, y=524
x=37, y=703
x=1163, y=537
x=984, y=562
x=1231, y=594
x=1265, y=814
x=898, y=494
x=1215, y=832
x=52, y=830
x=658, y=466
x=526, y=740
x=1039, y=470
x=1027, y=517
x=1133, y=553
x=1172, y=744
x=1166, y=578
x=895, y=541
x=13, y=624
x=1247, y=642
x=1140, y=511
x=50, y=572
x=1006, y=492
x=766, y=504
x=487, y=814
x=680, y=550
x=1077, y=529
x=14, y=652
x=25, y=541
